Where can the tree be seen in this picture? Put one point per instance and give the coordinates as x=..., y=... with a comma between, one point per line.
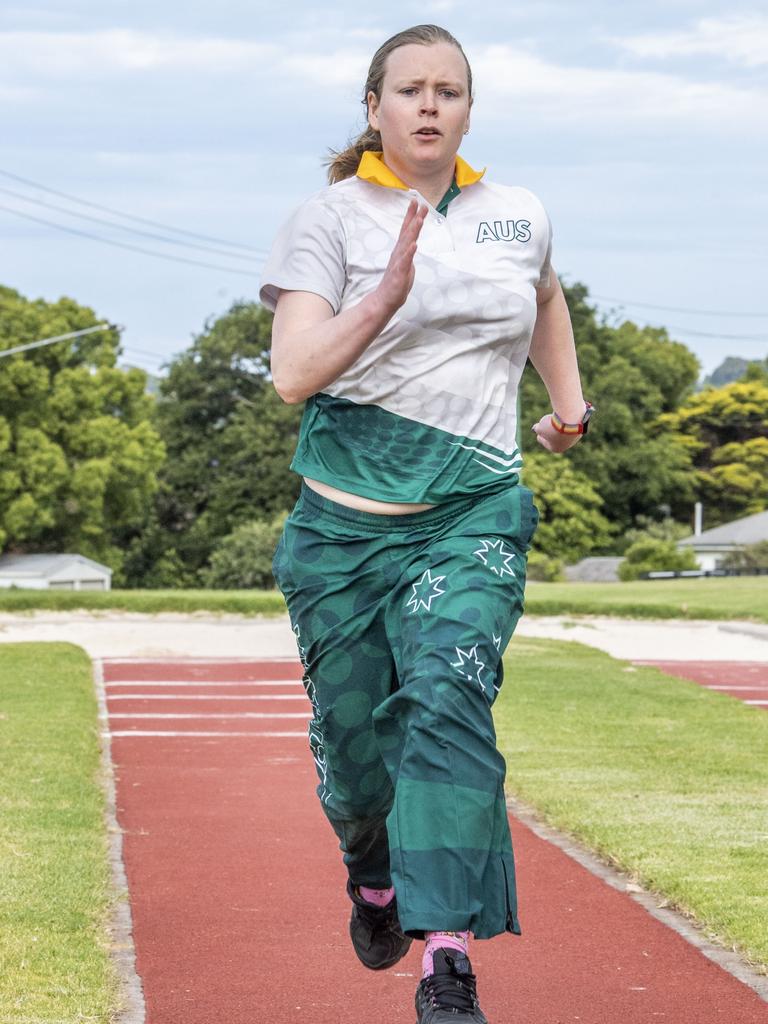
x=632, y=375
x=662, y=529
x=78, y=451
x=652, y=555
x=244, y=557
x=753, y=556
x=229, y=438
x=571, y=523
x=725, y=431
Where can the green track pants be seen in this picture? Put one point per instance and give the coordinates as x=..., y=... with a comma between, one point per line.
x=401, y=622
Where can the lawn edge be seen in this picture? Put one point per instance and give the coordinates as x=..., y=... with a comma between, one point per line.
x=122, y=951
x=655, y=903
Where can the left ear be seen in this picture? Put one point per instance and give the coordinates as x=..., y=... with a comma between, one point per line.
x=373, y=105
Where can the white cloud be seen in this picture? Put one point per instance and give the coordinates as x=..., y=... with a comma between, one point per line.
x=507, y=77
x=510, y=77
x=739, y=38
x=50, y=54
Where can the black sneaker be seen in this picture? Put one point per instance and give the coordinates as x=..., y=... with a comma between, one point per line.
x=376, y=933
x=449, y=995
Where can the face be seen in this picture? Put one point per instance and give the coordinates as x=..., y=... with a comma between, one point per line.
x=424, y=87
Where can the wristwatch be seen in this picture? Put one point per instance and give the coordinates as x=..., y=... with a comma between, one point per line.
x=573, y=428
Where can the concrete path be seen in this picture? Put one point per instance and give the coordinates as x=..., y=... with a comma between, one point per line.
x=124, y=634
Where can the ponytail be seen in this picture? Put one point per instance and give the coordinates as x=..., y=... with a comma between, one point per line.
x=344, y=163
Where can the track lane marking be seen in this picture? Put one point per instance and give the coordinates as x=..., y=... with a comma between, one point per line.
x=203, y=682
x=205, y=696
x=235, y=714
x=255, y=732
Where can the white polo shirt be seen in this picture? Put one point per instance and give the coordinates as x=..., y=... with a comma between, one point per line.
x=428, y=411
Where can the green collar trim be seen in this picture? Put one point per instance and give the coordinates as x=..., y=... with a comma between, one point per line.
x=452, y=192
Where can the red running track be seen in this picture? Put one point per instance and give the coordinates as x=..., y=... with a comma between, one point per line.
x=744, y=680
x=237, y=885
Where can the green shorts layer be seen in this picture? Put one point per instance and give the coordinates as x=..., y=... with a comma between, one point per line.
x=401, y=622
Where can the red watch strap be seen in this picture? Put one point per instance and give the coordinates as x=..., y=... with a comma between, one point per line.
x=570, y=428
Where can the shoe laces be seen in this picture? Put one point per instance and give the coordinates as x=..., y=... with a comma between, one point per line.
x=452, y=991
x=378, y=917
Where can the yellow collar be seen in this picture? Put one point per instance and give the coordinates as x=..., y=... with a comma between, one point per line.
x=372, y=168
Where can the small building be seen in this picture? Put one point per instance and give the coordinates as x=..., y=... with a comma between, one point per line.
x=53, y=572
x=711, y=545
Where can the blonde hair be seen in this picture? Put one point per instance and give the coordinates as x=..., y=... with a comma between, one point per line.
x=344, y=163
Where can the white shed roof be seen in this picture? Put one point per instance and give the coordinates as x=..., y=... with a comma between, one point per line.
x=749, y=530
x=45, y=565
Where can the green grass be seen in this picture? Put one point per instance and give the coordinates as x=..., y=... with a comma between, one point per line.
x=241, y=602
x=659, y=776
x=713, y=597
x=54, y=871
x=739, y=597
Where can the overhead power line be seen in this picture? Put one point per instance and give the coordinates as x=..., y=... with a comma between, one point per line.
x=50, y=341
x=122, y=227
x=677, y=309
x=128, y=216
x=127, y=245
x=724, y=337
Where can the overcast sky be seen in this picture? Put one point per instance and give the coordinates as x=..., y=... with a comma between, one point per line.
x=641, y=126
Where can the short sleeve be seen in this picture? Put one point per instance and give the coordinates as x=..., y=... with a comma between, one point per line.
x=308, y=254
x=546, y=266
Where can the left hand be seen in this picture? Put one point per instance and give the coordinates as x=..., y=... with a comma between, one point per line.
x=552, y=439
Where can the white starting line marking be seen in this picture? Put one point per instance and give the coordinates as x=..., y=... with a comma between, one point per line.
x=131, y=732
x=235, y=714
x=206, y=696
x=202, y=682
x=759, y=703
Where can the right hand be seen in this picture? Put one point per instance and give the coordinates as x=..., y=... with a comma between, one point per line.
x=398, y=278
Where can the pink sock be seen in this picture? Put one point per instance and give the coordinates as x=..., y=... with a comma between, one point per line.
x=379, y=897
x=442, y=940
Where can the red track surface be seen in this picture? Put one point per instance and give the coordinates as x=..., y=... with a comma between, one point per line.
x=744, y=680
x=237, y=887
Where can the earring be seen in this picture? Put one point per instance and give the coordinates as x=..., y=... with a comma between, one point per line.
x=466, y=131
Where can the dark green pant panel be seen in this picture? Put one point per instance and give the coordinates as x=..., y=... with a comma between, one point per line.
x=364, y=843
x=400, y=624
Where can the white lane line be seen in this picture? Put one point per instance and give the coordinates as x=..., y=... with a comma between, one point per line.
x=759, y=703
x=176, y=660
x=235, y=714
x=204, y=696
x=131, y=732
x=723, y=686
x=202, y=682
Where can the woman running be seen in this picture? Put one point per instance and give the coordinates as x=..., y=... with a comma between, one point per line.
x=408, y=294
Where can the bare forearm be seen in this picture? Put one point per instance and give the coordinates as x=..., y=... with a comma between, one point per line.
x=311, y=358
x=311, y=349
x=553, y=354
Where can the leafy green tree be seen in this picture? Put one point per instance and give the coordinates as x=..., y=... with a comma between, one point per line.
x=660, y=529
x=243, y=559
x=753, y=556
x=653, y=555
x=229, y=439
x=725, y=431
x=571, y=523
x=632, y=375
x=78, y=452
